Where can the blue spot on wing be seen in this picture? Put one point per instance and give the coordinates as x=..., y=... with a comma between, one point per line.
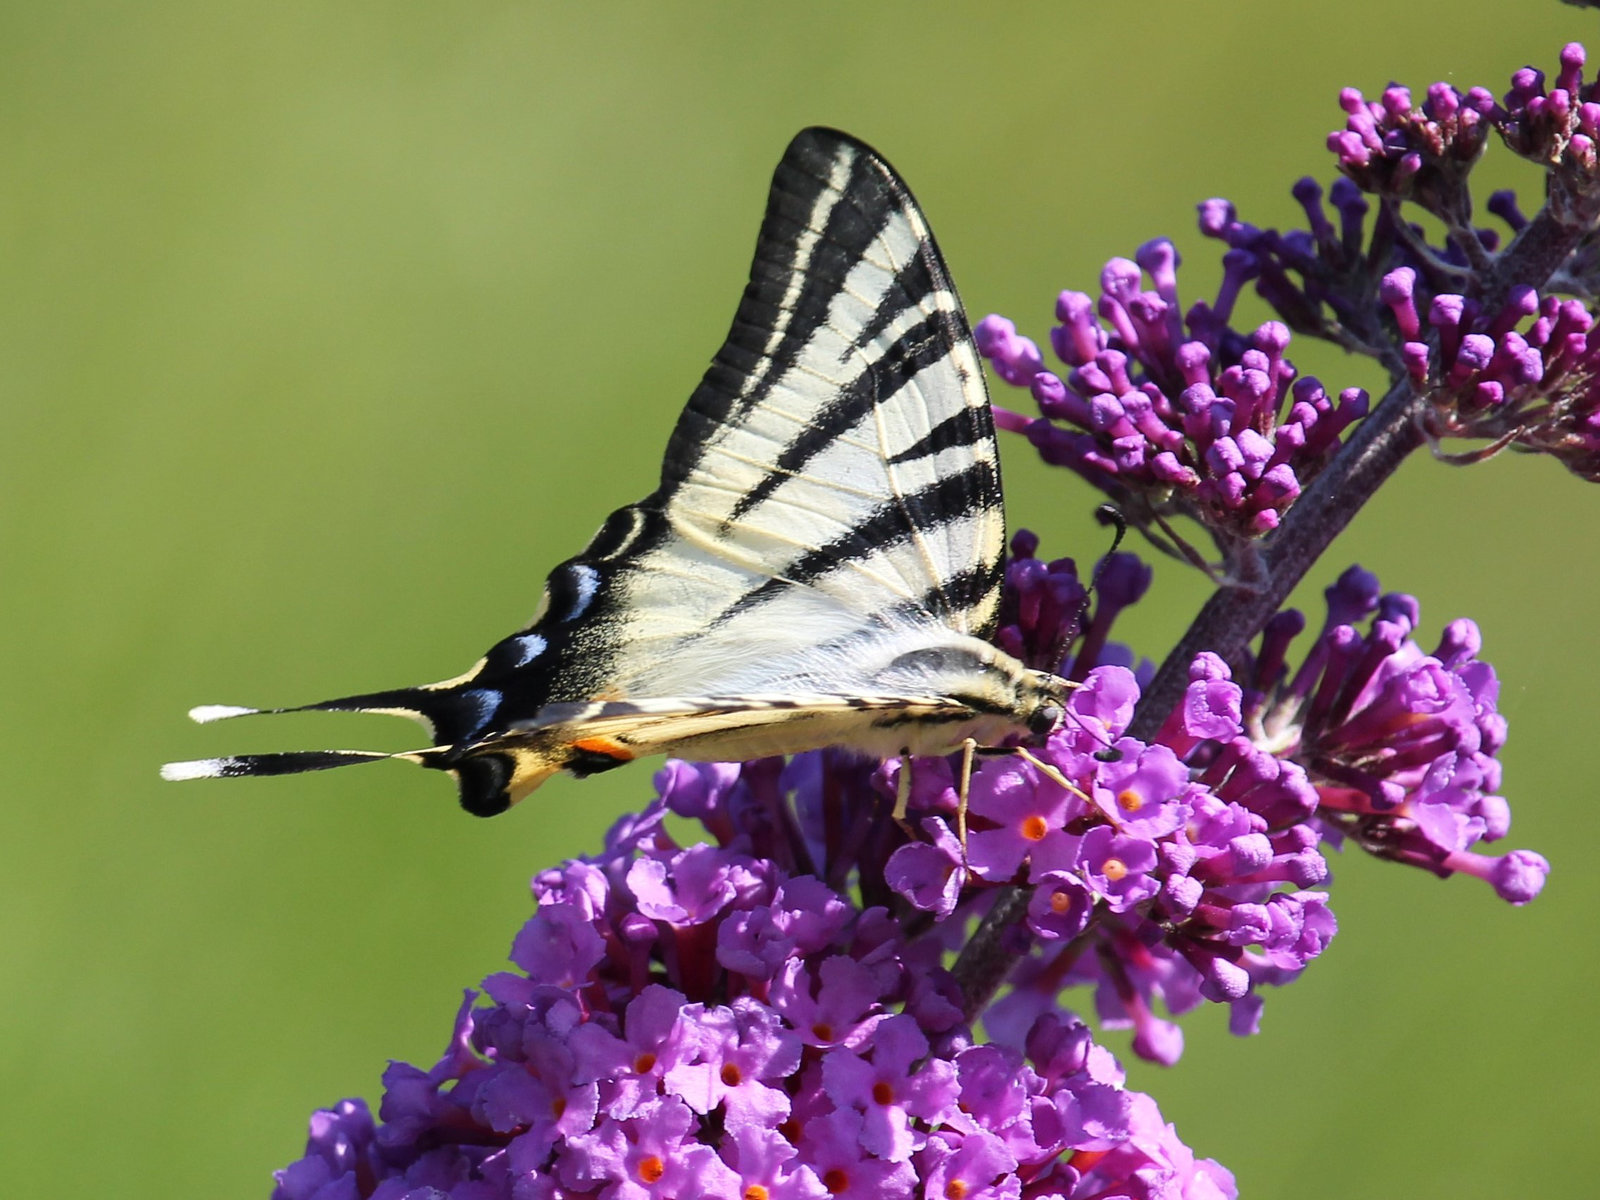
x=529, y=647
x=585, y=582
x=477, y=705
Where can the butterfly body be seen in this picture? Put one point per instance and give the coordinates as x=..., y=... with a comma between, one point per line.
x=820, y=563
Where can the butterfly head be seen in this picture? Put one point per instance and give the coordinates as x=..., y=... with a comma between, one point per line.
x=1042, y=701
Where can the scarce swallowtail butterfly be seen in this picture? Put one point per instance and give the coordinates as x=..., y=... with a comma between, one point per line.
x=819, y=566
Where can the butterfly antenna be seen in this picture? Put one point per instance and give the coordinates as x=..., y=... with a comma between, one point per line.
x=1106, y=514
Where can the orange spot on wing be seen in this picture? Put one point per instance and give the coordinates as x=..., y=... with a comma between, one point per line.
x=605, y=746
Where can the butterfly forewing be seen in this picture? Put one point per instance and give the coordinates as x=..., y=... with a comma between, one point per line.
x=824, y=544
x=841, y=438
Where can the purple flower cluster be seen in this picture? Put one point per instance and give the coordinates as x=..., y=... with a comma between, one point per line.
x=1172, y=414
x=716, y=1020
x=1320, y=279
x=1549, y=125
x=1399, y=744
x=1175, y=872
x=766, y=1015
x=1390, y=148
x=1533, y=389
x=1424, y=154
x=1150, y=880
x=1359, y=284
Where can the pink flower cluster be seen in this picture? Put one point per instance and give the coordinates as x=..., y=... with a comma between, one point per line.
x=1536, y=389
x=717, y=1021
x=1400, y=744
x=1172, y=415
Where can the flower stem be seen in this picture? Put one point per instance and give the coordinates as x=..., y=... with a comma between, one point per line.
x=1234, y=615
x=989, y=955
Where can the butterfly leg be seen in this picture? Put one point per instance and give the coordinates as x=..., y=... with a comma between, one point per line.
x=902, y=795
x=1050, y=773
x=968, y=748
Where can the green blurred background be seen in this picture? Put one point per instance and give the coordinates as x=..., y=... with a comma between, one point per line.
x=328, y=328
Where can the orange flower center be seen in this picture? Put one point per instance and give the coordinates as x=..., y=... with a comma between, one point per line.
x=822, y=1031
x=1130, y=800
x=836, y=1180
x=1034, y=828
x=882, y=1093
x=730, y=1075
x=1084, y=1160
x=651, y=1169
x=755, y=1192
x=1115, y=870
x=955, y=1189
x=644, y=1063
x=1060, y=902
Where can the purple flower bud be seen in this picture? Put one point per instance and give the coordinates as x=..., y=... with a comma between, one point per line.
x=1503, y=204
x=1211, y=707
x=1216, y=216
x=1397, y=290
x=1016, y=359
x=1516, y=877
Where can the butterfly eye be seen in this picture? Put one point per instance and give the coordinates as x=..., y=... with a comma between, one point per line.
x=1045, y=719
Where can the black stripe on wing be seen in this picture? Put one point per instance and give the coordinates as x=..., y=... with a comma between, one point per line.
x=888, y=369
x=891, y=525
x=790, y=257
x=967, y=427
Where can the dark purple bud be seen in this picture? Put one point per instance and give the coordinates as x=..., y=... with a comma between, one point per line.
x=1503, y=204
x=1352, y=597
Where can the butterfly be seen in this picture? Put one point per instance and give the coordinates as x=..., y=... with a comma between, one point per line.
x=820, y=564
